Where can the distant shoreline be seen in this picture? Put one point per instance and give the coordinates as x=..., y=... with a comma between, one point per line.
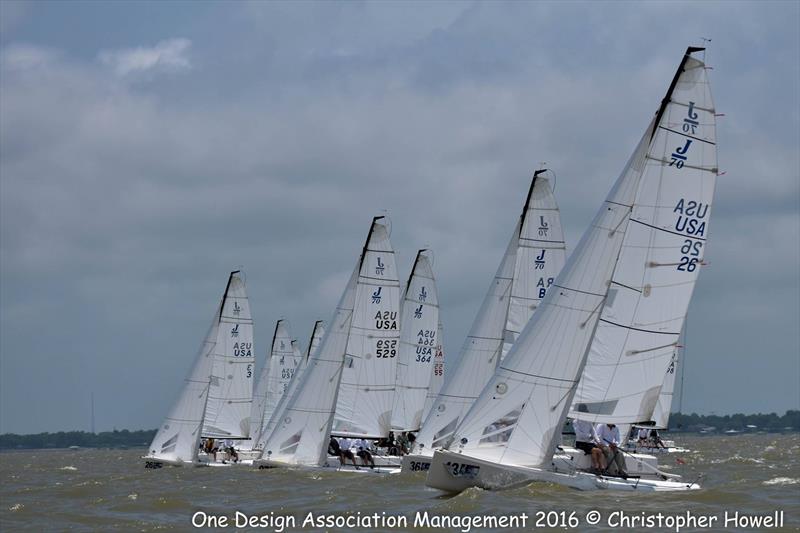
x=695, y=424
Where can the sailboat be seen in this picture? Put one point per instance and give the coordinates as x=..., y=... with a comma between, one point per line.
x=660, y=417
x=534, y=256
x=216, y=395
x=419, y=327
x=278, y=370
x=633, y=272
x=363, y=333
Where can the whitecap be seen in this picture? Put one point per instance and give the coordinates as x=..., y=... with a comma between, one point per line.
x=16, y=507
x=68, y=468
x=782, y=481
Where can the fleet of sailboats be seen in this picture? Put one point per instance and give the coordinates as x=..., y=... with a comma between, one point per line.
x=592, y=338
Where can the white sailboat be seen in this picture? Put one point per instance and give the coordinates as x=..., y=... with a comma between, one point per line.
x=645, y=244
x=229, y=340
x=303, y=425
x=278, y=370
x=366, y=393
x=419, y=321
x=534, y=257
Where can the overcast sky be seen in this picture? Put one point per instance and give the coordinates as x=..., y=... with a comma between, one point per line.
x=147, y=149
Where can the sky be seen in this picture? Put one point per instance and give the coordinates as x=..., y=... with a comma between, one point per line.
x=149, y=148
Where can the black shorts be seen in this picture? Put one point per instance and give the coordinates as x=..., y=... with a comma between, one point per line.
x=347, y=454
x=586, y=447
x=363, y=454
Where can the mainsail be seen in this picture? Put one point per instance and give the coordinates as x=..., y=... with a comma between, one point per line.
x=178, y=437
x=302, y=426
x=519, y=415
x=660, y=259
x=531, y=262
x=419, y=320
x=278, y=370
x=230, y=395
x=366, y=393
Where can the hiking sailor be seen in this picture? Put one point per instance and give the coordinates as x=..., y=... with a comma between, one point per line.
x=609, y=442
x=587, y=441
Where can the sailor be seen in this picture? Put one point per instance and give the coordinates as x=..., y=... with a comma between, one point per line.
x=402, y=443
x=609, y=441
x=333, y=447
x=656, y=438
x=587, y=441
x=364, y=455
x=642, y=437
x=344, y=446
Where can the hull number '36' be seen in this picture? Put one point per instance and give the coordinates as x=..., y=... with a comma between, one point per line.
x=420, y=466
x=462, y=470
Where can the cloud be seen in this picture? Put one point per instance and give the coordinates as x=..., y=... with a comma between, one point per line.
x=171, y=55
x=124, y=205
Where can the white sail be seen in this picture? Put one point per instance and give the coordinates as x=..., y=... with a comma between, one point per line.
x=230, y=394
x=519, y=415
x=660, y=259
x=298, y=432
x=437, y=373
x=664, y=404
x=279, y=367
x=366, y=393
x=532, y=260
x=178, y=437
x=419, y=320
x=296, y=379
x=533, y=386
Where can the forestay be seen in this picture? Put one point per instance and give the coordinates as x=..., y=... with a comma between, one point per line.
x=419, y=319
x=533, y=258
x=532, y=388
x=660, y=259
x=178, y=437
x=298, y=431
x=230, y=394
x=366, y=393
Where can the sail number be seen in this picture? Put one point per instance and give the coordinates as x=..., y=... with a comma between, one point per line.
x=386, y=348
x=690, y=220
x=462, y=470
x=386, y=320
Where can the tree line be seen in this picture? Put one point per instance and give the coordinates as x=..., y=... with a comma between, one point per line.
x=772, y=422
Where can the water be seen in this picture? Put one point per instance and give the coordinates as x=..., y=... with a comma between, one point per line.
x=110, y=490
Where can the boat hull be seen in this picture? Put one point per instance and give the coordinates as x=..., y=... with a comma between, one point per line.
x=416, y=463
x=455, y=472
x=265, y=464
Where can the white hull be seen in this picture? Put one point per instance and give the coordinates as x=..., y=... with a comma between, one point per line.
x=416, y=463
x=331, y=466
x=454, y=472
x=158, y=462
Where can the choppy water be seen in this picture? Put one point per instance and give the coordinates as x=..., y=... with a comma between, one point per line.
x=110, y=490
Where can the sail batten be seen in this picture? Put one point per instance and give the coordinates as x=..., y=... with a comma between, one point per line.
x=534, y=256
x=570, y=341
